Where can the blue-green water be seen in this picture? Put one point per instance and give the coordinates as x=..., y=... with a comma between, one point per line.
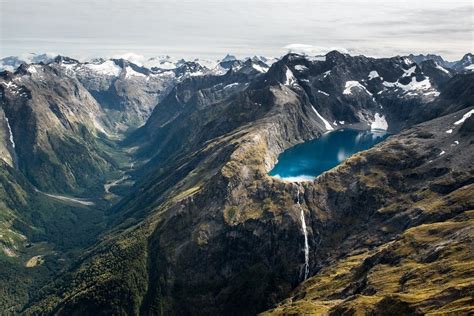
x=308, y=160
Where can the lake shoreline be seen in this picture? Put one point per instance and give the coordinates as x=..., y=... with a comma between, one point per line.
x=307, y=160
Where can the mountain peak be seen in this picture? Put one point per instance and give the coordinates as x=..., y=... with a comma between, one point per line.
x=228, y=57
x=65, y=60
x=335, y=55
x=469, y=57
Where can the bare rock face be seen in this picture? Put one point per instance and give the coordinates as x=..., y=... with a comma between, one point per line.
x=208, y=232
x=467, y=128
x=62, y=116
x=53, y=127
x=126, y=92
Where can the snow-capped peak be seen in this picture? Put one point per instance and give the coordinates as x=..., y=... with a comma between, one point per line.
x=228, y=57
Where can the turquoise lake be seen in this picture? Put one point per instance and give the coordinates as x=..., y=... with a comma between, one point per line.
x=308, y=160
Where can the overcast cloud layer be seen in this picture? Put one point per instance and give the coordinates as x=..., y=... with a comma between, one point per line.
x=211, y=28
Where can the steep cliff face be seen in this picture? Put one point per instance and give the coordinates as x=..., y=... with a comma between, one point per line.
x=53, y=127
x=52, y=141
x=206, y=231
x=62, y=120
x=126, y=92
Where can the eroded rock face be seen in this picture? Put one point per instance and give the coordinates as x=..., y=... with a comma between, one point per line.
x=208, y=232
x=126, y=92
x=53, y=126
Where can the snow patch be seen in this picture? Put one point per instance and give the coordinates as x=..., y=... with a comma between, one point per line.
x=301, y=68
x=379, y=122
x=354, y=84
x=108, y=68
x=12, y=140
x=442, y=153
x=132, y=57
x=464, y=117
x=10, y=84
x=326, y=123
x=449, y=131
x=409, y=72
x=196, y=74
x=259, y=68
x=413, y=85
x=312, y=50
x=68, y=67
x=109, y=185
x=407, y=61
x=32, y=69
x=373, y=74
x=130, y=73
x=290, y=78
x=442, y=69
x=231, y=85
x=434, y=93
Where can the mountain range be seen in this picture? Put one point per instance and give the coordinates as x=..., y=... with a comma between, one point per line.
x=142, y=188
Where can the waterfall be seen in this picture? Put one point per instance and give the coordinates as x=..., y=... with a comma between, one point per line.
x=305, y=233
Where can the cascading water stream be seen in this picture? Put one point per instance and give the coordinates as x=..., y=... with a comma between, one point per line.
x=305, y=233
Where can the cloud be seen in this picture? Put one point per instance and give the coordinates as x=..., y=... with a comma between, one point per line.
x=312, y=49
x=132, y=57
x=210, y=28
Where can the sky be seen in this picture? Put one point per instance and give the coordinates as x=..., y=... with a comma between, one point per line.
x=211, y=28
